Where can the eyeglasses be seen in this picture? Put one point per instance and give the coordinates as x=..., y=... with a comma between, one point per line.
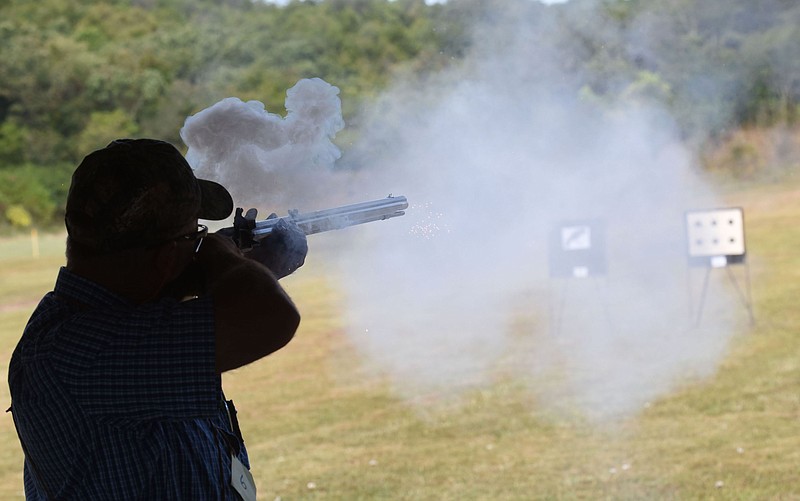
x=195, y=236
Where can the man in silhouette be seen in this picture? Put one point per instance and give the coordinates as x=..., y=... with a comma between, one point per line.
x=116, y=381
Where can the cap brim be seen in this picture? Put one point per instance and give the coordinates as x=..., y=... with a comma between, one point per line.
x=216, y=203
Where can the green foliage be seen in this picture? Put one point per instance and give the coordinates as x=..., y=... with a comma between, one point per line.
x=726, y=63
x=648, y=86
x=103, y=127
x=18, y=216
x=12, y=143
x=77, y=73
x=25, y=196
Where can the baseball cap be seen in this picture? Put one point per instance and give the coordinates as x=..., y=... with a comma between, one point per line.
x=138, y=192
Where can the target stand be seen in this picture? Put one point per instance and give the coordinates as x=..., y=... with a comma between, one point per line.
x=577, y=252
x=715, y=239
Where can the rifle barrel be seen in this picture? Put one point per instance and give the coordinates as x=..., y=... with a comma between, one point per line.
x=338, y=217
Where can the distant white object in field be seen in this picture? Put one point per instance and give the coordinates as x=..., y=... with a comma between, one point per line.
x=716, y=234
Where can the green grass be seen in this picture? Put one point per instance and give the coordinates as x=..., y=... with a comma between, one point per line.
x=320, y=425
x=23, y=279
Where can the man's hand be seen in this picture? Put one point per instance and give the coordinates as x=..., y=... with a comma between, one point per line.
x=282, y=251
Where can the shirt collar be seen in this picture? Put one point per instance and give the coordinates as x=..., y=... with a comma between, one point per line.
x=76, y=288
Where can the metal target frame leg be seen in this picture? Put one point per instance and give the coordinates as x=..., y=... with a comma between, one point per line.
x=689, y=293
x=603, y=303
x=745, y=296
x=558, y=304
x=703, y=297
x=557, y=308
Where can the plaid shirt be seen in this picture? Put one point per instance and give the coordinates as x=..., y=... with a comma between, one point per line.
x=118, y=401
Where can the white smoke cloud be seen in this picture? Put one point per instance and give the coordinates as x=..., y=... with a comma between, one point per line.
x=262, y=156
x=492, y=157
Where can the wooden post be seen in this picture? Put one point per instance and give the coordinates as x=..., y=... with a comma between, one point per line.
x=34, y=242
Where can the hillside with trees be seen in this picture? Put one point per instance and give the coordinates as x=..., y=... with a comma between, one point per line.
x=75, y=74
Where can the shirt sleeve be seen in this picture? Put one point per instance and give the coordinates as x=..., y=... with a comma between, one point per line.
x=154, y=361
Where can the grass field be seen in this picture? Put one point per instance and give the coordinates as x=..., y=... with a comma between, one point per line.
x=319, y=427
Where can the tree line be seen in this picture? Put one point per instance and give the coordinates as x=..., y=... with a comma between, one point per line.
x=75, y=74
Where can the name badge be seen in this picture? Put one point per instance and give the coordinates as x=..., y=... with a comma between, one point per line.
x=242, y=480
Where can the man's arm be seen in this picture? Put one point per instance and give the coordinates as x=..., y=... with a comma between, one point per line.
x=253, y=315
